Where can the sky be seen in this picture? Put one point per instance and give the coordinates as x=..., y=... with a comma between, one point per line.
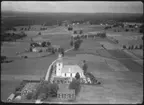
x=73, y=6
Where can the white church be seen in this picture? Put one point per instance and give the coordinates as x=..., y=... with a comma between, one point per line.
x=67, y=70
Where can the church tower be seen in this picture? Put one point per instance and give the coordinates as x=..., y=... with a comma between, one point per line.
x=59, y=65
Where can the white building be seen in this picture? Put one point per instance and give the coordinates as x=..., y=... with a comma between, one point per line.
x=68, y=70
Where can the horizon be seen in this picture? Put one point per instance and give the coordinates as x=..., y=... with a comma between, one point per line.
x=68, y=12
x=91, y=7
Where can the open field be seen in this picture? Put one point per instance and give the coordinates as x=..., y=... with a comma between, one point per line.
x=138, y=53
x=19, y=69
x=120, y=81
x=10, y=49
x=89, y=28
x=7, y=87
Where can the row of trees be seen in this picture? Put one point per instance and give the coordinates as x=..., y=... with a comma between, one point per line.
x=70, y=28
x=76, y=42
x=5, y=60
x=78, y=32
x=133, y=47
x=12, y=36
x=102, y=35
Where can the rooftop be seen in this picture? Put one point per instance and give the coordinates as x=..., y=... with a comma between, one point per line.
x=68, y=61
x=71, y=69
x=40, y=39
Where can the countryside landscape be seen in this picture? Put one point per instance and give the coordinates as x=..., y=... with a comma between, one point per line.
x=34, y=45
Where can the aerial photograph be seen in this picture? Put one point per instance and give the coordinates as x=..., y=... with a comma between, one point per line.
x=72, y=52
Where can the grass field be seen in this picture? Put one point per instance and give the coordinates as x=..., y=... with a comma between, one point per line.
x=116, y=83
x=138, y=53
x=89, y=28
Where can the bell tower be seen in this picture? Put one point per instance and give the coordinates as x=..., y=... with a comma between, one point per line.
x=59, y=65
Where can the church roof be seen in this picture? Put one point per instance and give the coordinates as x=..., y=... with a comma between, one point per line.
x=71, y=69
x=68, y=61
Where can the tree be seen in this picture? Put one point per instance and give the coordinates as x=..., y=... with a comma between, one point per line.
x=29, y=96
x=103, y=35
x=124, y=46
x=126, y=30
x=132, y=47
x=142, y=37
x=48, y=43
x=75, y=84
x=71, y=43
x=53, y=51
x=77, y=44
x=3, y=58
x=43, y=44
x=39, y=33
x=75, y=32
x=14, y=29
x=81, y=31
x=141, y=31
x=141, y=46
x=106, y=28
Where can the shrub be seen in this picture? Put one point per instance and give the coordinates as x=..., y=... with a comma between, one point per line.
x=75, y=32
x=45, y=90
x=116, y=41
x=132, y=47
x=136, y=47
x=140, y=31
x=142, y=37
x=141, y=46
x=77, y=44
x=103, y=35
x=39, y=33
x=106, y=28
x=124, y=46
x=129, y=47
x=42, y=96
x=29, y=96
x=126, y=30
x=53, y=90
x=92, y=78
x=81, y=31
x=71, y=43
x=25, y=57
